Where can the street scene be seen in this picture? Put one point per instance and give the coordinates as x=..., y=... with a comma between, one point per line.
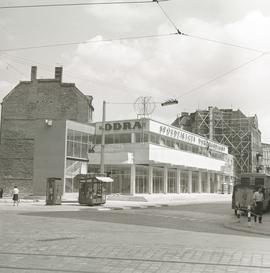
x=179, y=236
x=134, y=136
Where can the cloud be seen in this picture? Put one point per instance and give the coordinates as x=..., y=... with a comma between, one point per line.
x=125, y=18
x=5, y=87
x=171, y=66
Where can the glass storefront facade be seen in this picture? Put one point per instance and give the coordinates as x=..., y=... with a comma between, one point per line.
x=172, y=186
x=204, y=181
x=153, y=138
x=184, y=181
x=76, y=158
x=77, y=143
x=142, y=179
x=121, y=175
x=195, y=184
x=121, y=179
x=158, y=180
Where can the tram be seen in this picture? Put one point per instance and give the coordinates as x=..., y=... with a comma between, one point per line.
x=243, y=191
x=92, y=190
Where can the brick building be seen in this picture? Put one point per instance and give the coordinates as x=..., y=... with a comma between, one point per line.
x=30, y=106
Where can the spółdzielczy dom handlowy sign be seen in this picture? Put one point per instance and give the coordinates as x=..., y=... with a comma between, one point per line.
x=191, y=138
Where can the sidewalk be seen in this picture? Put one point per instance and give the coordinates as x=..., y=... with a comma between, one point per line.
x=137, y=201
x=242, y=225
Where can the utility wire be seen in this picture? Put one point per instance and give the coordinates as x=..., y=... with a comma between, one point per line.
x=79, y=4
x=205, y=83
x=202, y=38
x=86, y=42
x=224, y=74
x=224, y=43
x=169, y=19
x=13, y=67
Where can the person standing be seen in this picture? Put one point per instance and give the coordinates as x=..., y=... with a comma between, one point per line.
x=15, y=197
x=1, y=192
x=258, y=200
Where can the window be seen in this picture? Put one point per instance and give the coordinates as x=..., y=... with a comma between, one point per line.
x=158, y=180
x=141, y=137
x=172, y=188
x=142, y=179
x=77, y=143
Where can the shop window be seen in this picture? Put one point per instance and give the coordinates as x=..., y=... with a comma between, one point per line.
x=158, y=180
x=141, y=137
x=70, y=134
x=77, y=136
x=184, y=181
x=172, y=187
x=84, y=138
x=69, y=148
x=142, y=179
x=125, y=138
x=121, y=179
x=109, y=139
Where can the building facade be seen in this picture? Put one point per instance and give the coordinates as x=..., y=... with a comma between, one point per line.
x=144, y=156
x=265, y=160
x=33, y=106
x=229, y=127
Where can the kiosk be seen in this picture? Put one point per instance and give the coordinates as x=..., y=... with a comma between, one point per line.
x=54, y=191
x=92, y=189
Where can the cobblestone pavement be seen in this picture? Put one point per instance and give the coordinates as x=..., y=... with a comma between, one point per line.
x=47, y=244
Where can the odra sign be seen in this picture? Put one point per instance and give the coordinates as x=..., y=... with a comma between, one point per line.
x=127, y=125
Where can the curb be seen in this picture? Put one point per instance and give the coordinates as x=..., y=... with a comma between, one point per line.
x=134, y=207
x=244, y=229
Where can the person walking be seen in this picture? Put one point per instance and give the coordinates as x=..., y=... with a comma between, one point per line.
x=15, y=197
x=1, y=192
x=258, y=198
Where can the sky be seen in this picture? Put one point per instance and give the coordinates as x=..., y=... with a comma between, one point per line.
x=223, y=61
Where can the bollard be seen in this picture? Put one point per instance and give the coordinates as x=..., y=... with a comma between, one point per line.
x=249, y=216
x=238, y=214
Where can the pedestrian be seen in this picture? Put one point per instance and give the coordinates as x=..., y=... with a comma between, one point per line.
x=1, y=192
x=258, y=202
x=15, y=197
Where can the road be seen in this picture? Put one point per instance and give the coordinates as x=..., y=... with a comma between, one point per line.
x=185, y=239
x=207, y=217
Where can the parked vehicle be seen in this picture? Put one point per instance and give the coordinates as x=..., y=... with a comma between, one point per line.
x=243, y=191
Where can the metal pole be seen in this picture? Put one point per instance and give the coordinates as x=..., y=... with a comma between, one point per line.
x=102, y=171
x=211, y=131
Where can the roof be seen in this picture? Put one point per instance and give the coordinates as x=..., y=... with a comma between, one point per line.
x=104, y=179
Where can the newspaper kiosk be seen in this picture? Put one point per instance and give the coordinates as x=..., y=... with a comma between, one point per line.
x=92, y=189
x=54, y=191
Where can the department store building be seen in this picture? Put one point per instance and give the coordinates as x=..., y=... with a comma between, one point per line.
x=145, y=156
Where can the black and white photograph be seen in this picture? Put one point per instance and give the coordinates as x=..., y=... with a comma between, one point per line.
x=134, y=136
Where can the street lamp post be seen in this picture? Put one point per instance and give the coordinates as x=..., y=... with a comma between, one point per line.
x=102, y=170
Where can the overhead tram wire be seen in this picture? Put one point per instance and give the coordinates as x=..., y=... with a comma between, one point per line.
x=168, y=18
x=79, y=4
x=224, y=74
x=224, y=43
x=202, y=38
x=13, y=67
x=87, y=42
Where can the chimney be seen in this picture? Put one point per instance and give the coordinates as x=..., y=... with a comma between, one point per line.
x=58, y=73
x=33, y=73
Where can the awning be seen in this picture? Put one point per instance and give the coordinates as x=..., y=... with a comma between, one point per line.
x=104, y=179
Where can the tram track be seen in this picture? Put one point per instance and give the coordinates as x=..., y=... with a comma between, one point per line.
x=39, y=257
